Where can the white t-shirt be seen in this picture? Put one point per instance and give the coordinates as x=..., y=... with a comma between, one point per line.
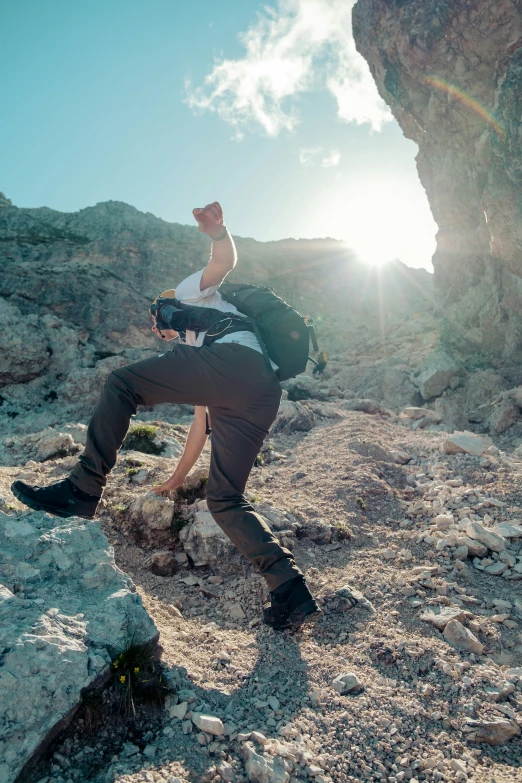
x=189, y=292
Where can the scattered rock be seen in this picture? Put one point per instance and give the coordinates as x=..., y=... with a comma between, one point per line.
x=208, y=723
x=489, y=538
x=504, y=416
x=496, y=731
x=149, y=520
x=464, y=443
x=350, y=597
x=461, y=638
x=163, y=564
x=347, y=683
x=261, y=769
x=206, y=544
x=440, y=616
x=438, y=372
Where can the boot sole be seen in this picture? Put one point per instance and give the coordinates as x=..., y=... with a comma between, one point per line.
x=57, y=512
x=306, y=613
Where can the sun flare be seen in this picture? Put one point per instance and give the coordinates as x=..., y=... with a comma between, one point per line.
x=381, y=221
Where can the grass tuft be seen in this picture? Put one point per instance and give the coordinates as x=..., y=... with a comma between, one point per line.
x=141, y=437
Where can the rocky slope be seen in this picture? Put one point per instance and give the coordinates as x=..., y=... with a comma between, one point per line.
x=452, y=75
x=409, y=535
x=412, y=541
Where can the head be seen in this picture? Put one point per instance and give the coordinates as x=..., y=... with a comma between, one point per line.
x=164, y=334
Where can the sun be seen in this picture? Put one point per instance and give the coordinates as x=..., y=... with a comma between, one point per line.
x=382, y=221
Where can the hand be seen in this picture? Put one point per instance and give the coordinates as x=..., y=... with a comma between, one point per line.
x=210, y=219
x=171, y=484
x=165, y=334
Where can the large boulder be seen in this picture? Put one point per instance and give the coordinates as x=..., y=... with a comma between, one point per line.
x=438, y=373
x=66, y=611
x=427, y=58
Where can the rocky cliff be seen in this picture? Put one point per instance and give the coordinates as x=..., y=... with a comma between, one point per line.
x=452, y=74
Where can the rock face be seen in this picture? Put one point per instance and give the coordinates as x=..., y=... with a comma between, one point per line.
x=66, y=610
x=452, y=76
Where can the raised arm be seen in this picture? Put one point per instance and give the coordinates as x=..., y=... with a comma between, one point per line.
x=223, y=256
x=196, y=439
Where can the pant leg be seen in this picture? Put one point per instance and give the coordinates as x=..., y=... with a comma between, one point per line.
x=237, y=436
x=214, y=375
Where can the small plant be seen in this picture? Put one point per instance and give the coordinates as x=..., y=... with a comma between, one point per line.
x=9, y=506
x=343, y=531
x=362, y=503
x=136, y=674
x=131, y=471
x=120, y=507
x=133, y=462
x=142, y=437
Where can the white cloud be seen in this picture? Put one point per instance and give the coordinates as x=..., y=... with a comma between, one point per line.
x=308, y=155
x=331, y=160
x=298, y=46
x=313, y=156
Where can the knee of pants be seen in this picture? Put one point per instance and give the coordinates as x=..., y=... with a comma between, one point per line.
x=118, y=383
x=217, y=504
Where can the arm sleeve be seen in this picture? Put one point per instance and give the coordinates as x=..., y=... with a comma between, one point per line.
x=188, y=289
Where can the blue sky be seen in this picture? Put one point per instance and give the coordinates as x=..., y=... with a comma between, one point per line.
x=167, y=105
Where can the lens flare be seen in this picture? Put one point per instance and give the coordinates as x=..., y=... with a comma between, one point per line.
x=467, y=100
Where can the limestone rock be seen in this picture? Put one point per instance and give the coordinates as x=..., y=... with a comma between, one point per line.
x=461, y=638
x=317, y=530
x=495, y=731
x=23, y=349
x=464, y=443
x=303, y=387
x=469, y=168
x=347, y=683
x=440, y=616
x=149, y=521
x=364, y=405
x=263, y=769
x=505, y=415
x=163, y=563
x=475, y=548
x=206, y=544
x=438, y=372
x=55, y=444
x=208, y=723
x=489, y=538
x=277, y=518
x=74, y=610
x=293, y=417
x=507, y=530
x=350, y=597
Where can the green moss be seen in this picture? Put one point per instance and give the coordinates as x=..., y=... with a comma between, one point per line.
x=141, y=437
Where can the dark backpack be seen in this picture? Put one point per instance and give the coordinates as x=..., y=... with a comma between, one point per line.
x=283, y=334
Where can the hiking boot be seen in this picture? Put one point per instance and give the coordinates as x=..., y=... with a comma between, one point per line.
x=63, y=499
x=291, y=605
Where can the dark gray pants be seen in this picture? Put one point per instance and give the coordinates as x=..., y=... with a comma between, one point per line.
x=242, y=397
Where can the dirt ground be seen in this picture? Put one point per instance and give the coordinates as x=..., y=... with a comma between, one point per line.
x=406, y=720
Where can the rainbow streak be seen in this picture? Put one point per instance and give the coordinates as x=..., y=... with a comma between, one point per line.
x=467, y=100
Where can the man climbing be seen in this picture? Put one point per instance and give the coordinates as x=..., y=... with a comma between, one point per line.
x=230, y=377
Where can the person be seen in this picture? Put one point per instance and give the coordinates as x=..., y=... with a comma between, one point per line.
x=230, y=378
